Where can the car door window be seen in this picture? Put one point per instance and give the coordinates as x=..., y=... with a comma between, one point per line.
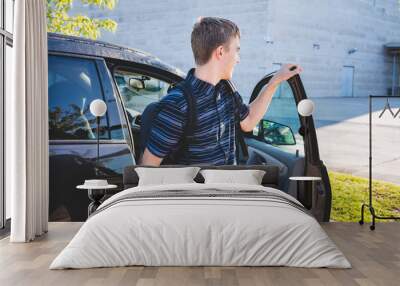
x=138, y=90
x=115, y=121
x=73, y=84
x=281, y=122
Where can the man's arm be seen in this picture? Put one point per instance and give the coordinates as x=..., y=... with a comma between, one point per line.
x=149, y=159
x=260, y=105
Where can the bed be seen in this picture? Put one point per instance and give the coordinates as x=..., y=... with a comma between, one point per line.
x=197, y=224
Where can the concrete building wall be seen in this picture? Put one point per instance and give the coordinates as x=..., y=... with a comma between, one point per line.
x=320, y=34
x=315, y=33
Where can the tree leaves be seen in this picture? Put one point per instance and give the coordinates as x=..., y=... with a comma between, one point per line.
x=59, y=20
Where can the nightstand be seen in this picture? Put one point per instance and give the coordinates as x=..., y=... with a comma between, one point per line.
x=307, y=179
x=95, y=193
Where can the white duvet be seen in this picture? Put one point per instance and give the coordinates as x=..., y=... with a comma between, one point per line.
x=207, y=230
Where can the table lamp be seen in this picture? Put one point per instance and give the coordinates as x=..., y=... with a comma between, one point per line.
x=305, y=108
x=98, y=108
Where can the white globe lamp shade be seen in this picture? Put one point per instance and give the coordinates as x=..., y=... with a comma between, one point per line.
x=98, y=107
x=305, y=107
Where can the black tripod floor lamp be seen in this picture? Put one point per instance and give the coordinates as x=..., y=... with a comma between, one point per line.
x=369, y=205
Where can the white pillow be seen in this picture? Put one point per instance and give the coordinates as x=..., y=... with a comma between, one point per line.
x=164, y=176
x=248, y=177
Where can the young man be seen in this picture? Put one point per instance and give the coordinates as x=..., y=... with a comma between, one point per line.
x=216, y=45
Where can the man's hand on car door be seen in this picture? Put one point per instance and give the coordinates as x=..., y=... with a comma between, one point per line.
x=286, y=71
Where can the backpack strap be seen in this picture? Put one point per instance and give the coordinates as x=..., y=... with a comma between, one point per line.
x=191, y=118
x=239, y=138
x=188, y=130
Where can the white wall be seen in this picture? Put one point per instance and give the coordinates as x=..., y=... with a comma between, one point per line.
x=337, y=26
x=163, y=28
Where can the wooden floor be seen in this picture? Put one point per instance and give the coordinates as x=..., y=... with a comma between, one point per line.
x=375, y=257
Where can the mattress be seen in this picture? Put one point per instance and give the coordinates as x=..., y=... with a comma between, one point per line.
x=201, y=225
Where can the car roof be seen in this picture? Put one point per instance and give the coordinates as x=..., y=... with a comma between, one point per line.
x=87, y=47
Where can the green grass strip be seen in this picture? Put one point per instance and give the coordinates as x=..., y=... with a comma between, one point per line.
x=349, y=192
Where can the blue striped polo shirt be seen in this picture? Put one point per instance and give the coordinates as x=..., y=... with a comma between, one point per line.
x=213, y=140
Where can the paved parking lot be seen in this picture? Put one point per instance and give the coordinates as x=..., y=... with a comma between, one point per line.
x=342, y=131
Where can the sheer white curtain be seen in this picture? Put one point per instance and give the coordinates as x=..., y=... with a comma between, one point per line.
x=27, y=124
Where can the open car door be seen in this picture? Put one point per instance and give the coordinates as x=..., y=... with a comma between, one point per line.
x=286, y=139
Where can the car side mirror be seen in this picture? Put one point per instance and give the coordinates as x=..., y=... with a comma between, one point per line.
x=275, y=133
x=136, y=83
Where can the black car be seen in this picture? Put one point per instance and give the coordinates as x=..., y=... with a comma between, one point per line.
x=82, y=70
